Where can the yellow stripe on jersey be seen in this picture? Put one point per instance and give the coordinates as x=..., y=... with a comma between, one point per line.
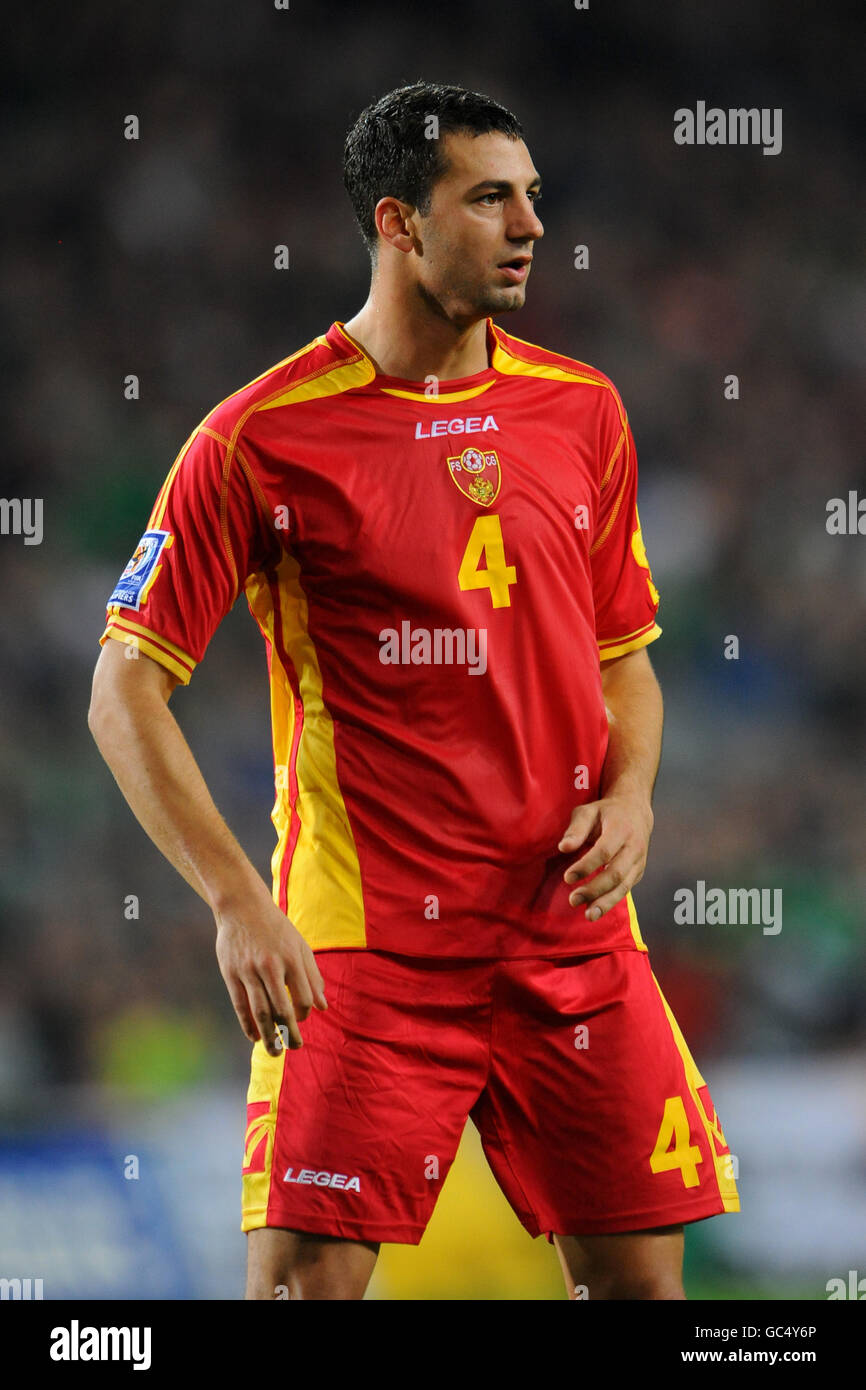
x=266, y=1079
x=214, y=434
x=159, y=506
x=325, y=381
x=721, y=1162
x=283, y=723
x=442, y=397
x=152, y=644
x=623, y=487
x=504, y=359
x=621, y=646
x=613, y=458
x=320, y=341
x=633, y=923
x=325, y=896
x=156, y=516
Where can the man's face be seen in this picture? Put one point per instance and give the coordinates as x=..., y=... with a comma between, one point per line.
x=482, y=216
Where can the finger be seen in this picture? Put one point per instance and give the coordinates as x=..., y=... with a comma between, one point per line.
x=603, y=904
x=622, y=869
x=238, y=996
x=290, y=1033
x=315, y=977
x=604, y=851
x=608, y=880
x=263, y=1014
x=281, y=1006
x=297, y=985
x=609, y=888
x=580, y=827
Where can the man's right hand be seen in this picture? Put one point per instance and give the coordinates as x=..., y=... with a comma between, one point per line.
x=270, y=972
x=260, y=952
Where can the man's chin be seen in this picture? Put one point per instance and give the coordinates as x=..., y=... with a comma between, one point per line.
x=505, y=300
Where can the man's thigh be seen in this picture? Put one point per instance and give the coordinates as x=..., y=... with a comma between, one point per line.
x=285, y=1264
x=595, y=1119
x=631, y=1265
x=352, y=1135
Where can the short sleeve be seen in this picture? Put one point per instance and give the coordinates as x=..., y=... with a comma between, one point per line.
x=626, y=599
x=207, y=532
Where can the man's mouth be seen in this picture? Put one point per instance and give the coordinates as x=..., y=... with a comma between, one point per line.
x=517, y=268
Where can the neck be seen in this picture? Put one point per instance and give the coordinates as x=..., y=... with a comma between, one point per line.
x=411, y=338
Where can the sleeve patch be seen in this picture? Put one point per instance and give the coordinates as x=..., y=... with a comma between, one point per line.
x=131, y=588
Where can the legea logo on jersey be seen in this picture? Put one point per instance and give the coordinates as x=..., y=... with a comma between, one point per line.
x=310, y=1177
x=438, y=646
x=464, y=424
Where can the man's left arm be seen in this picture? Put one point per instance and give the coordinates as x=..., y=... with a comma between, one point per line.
x=615, y=830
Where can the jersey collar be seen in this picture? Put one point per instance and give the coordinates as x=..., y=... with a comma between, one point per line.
x=450, y=392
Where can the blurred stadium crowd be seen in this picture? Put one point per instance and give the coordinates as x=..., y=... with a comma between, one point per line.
x=156, y=257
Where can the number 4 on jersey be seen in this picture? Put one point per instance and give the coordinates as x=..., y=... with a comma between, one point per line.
x=486, y=540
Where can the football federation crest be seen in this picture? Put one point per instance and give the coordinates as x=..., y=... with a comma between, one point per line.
x=477, y=474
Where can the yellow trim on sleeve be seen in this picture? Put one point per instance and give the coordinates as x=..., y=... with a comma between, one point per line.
x=175, y=659
x=626, y=644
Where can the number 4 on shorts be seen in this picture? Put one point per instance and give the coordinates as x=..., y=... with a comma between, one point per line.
x=674, y=1131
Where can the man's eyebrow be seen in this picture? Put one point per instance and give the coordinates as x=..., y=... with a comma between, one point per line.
x=502, y=185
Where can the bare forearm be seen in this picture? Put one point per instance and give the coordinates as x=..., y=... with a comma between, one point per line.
x=154, y=767
x=269, y=970
x=618, y=826
x=635, y=718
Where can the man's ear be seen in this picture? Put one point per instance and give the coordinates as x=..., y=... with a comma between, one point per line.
x=392, y=219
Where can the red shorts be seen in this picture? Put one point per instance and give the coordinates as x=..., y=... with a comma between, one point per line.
x=592, y=1114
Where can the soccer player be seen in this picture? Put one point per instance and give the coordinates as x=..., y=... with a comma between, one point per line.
x=435, y=526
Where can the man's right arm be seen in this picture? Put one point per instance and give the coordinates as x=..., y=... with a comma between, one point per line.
x=260, y=952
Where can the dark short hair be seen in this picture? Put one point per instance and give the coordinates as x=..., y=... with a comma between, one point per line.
x=389, y=154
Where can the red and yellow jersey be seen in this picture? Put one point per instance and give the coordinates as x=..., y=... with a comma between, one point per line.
x=437, y=576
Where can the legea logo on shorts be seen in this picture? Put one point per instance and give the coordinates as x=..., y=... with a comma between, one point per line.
x=310, y=1177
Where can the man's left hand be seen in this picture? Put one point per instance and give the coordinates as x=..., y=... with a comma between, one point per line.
x=617, y=829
